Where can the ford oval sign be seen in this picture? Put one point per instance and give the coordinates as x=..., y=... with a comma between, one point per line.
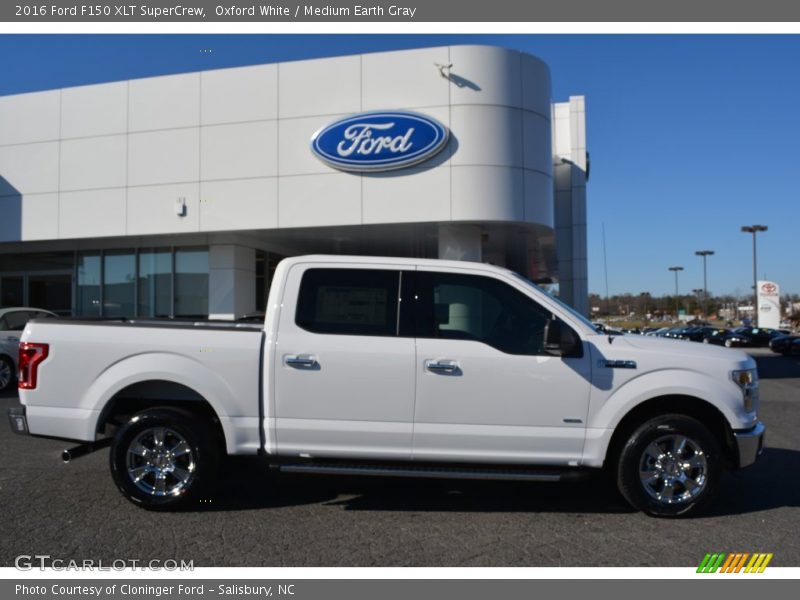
x=379, y=141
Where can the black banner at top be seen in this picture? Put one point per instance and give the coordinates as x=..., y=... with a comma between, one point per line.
x=420, y=11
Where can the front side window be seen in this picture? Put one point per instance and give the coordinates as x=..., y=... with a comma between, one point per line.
x=349, y=301
x=480, y=309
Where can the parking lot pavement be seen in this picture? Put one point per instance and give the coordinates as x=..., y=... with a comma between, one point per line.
x=74, y=512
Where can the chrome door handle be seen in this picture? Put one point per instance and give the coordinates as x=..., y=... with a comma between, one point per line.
x=300, y=361
x=442, y=366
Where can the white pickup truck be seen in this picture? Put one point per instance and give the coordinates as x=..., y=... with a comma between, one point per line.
x=394, y=366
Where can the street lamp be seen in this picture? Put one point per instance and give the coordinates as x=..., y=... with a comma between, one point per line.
x=698, y=294
x=754, y=229
x=705, y=254
x=677, y=302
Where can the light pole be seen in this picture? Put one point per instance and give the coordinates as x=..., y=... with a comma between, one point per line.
x=698, y=294
x=705, y=254
x=677, y=302
x=754, y=229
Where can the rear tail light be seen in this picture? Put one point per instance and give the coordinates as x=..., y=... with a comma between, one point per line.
x=30, y=356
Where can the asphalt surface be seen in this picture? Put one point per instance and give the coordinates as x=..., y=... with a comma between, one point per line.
x=255, y=519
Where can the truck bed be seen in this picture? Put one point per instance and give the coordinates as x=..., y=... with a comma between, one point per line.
x=91, y=361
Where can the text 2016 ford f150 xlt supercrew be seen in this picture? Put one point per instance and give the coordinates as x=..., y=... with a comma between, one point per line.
x=393, y=366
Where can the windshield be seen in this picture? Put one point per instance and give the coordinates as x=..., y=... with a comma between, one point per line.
x=558, y=301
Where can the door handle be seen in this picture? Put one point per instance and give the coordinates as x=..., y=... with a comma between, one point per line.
x=300, y=361
x=13, y=339
x=445, y=366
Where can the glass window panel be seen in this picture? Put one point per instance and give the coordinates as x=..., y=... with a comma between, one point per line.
x=88, y=288
x=11, y=291
x=40, y=261
x=15, y=320
x=51, y=292
x=480, y=309
x=191, y=282
x=118, y=284
x=155, y=283
x=348, y=301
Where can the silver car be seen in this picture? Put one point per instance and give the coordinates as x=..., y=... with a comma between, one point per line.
x=12, y=322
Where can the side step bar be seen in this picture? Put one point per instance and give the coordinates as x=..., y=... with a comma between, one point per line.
x=430, y=472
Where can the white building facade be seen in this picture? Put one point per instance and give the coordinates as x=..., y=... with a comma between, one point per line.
x=177, y=195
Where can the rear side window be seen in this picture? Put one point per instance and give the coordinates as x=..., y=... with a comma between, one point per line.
x=349, y=301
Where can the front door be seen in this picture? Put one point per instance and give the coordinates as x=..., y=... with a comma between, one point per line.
x=486, y=390
x=344, y=377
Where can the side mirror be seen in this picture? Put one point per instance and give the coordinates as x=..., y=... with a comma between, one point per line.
x=561, y=340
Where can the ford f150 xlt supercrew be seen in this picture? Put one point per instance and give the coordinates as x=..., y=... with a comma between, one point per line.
x=393, y=366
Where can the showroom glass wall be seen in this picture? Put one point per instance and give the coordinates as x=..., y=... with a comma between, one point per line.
x=159, y=282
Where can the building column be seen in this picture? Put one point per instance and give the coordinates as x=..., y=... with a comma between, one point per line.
x=231, y=281
x=570, y=175
x=460, y=242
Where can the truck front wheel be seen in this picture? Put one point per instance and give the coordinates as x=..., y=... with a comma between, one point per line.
x=670, y=466
x=163, y=458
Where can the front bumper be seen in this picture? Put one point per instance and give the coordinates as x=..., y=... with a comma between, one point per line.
x=749, y=444
x=18, y=420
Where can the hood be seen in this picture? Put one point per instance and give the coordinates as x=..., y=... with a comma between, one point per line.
x=673, y=347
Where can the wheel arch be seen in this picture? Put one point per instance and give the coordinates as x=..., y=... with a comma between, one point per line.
x=157, y=393
x=690, y=406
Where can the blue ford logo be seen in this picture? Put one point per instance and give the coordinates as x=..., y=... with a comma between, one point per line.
x=379, y=141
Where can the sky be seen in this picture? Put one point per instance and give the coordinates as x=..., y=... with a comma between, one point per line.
x=690, y=137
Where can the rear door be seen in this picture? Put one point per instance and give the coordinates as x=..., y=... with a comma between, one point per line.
x=486, y=390
x=344, y=377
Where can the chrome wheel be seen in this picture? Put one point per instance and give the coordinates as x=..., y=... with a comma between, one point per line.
x=673, y=469
x=160, y=462
x=5, y=373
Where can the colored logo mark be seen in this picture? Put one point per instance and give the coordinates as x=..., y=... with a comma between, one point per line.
x=379, y=141
x=737, y=562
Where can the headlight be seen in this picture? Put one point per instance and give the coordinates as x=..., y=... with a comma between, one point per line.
x=748, y=381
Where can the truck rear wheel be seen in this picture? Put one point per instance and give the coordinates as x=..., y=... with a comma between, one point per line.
x=670, y=466
x=164, y=458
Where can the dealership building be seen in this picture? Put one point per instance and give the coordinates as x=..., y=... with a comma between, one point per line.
x=178, y=195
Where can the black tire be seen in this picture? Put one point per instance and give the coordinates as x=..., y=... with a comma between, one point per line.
x=187, y=473
x=693, y=472
x=7, y=365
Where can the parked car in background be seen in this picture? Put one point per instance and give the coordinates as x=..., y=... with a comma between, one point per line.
x=12, y=322
x=658, y=332
x=785, y=344
x=716, y=337
x=607, y=329
x=696, y=334
x=744, y=337
x=673, y=332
